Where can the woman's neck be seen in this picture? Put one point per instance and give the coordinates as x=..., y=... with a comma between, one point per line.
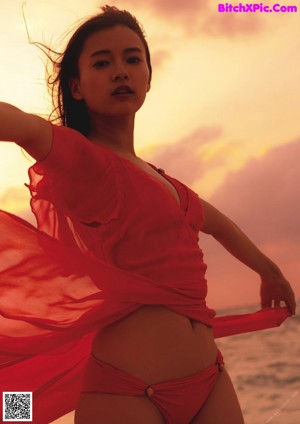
x=116, y=133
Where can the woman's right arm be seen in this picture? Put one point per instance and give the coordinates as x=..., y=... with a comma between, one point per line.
x=31, y=132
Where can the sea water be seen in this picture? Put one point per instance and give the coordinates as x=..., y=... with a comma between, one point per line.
x=265, y=369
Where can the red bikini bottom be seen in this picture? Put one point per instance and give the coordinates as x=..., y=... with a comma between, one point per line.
x=178, y=400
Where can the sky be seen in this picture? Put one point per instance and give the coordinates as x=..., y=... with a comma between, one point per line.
x=222, y=116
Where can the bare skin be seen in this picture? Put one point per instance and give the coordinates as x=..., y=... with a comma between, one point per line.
x=153, y=343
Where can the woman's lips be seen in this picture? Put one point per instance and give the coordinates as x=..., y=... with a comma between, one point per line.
x=123, y=89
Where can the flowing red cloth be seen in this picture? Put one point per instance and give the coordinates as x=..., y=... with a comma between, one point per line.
x=110, y=239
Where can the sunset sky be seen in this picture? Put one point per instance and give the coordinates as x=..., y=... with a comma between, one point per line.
x=222, y=116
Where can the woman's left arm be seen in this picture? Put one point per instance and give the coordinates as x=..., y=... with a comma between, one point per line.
x=274, y=285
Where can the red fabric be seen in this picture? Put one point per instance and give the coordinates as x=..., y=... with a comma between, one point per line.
x=178, y=399
x=110, y=239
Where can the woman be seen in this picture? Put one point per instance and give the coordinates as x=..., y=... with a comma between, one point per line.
x=128, y=229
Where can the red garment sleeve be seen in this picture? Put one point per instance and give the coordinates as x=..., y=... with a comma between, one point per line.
x=63, y=185
x=229, y=325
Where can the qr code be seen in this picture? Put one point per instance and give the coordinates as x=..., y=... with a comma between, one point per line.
x=17, y=406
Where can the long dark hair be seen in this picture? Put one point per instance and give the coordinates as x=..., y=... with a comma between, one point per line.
x=66, y=110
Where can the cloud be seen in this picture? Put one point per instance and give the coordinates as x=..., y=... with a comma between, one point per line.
x=159, y=58
x=186, y=12
x=263, y=199
x=202, y=16
x=201, y=159
x=231, y=24
x=265, y=193
x=184, y=159
x=177, y=9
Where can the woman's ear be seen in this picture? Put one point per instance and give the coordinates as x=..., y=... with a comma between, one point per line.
x=74, y=87
x=148, y=86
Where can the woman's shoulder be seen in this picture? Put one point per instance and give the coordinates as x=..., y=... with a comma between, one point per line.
x=69, y=146
x=66, y=135
x=77, y=177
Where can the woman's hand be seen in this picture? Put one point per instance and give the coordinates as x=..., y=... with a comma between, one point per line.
x=275, y=288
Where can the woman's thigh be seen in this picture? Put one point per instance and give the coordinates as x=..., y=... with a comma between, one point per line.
x=222, y=405
x=96, y=408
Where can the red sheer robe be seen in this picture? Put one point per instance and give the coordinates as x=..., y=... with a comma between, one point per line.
x=110, y=239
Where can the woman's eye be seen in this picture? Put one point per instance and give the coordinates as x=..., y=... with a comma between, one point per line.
x=134, y=59
x=101, y=64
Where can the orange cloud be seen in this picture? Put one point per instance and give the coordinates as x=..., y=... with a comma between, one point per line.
x=202, y=16
x=263, y=200
x=265, y=193
x=179, y=159
x=231, y=24
x=158, y=59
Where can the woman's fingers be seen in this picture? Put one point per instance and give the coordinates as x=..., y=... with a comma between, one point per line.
x=276, y=290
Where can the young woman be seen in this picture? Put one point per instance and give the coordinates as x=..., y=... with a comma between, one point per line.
x=113, y=284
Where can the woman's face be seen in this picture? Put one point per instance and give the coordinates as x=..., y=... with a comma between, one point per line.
x=113, y=73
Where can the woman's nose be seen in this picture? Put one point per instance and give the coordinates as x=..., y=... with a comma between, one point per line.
x=119, y=73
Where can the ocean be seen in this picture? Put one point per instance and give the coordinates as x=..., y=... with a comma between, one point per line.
x=265, y=370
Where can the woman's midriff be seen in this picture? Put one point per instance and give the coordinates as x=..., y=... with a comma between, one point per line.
x=156, y=344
